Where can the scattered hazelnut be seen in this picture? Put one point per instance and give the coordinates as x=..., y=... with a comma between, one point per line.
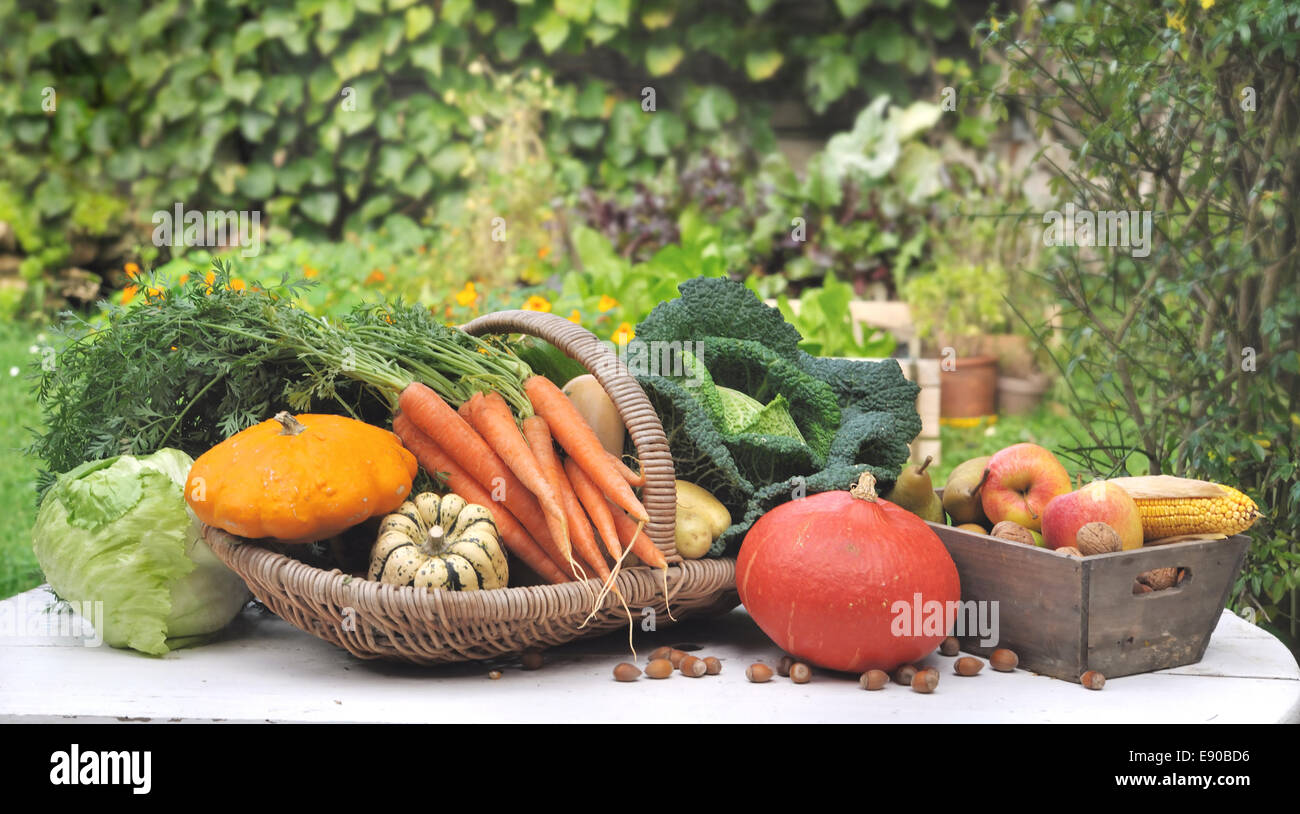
x=926, y=680
x=783, y=666
x=531, y=659
x=967, y=666
x=712, y=666
x=1093, y=680
x=494, y=674
x=874, y=680
x=676, y=656
x=1004, y=660
x=800, y=673
x=659, y=668
x=950, y=646
x=661, y=653
x=758, y=673
x=692, y=667
x=1096, y=538
x=626, y=672
x=904, y=673
x=1016, y=533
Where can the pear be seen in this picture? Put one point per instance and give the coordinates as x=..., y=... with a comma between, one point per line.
x=961, y=494
x=915, y=492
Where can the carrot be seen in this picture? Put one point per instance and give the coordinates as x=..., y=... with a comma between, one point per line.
x=631, y=531
x=427, y=412
x=516, y=538
x=632, y=478
x=584, y=540
x=594, y=502
x=491, y=416
x=578, y=439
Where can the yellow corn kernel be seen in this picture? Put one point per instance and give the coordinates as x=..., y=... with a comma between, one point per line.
x=1170, y=517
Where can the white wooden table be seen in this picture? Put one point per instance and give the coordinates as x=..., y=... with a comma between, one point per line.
x=263, y=669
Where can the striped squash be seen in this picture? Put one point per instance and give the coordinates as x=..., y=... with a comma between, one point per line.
x=439, y=542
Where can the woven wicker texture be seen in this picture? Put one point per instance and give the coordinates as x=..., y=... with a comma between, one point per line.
x=376, y=621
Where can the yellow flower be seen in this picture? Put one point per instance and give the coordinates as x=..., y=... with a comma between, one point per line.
x=623, y=334
x=128, y=294
x=238, y=285
x=467, y=296
x=536, y=303
x=1207, y=4
x=1176, y=22
x=308, y=271
x=994, y=24
x=606, y=303
x=132, y=271
x=153, y=292
x=575, y=317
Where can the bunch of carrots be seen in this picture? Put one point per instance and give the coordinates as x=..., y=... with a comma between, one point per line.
x=554, y=515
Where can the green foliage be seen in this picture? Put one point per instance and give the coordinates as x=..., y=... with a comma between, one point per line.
x=1188, y=356
x=826, y=322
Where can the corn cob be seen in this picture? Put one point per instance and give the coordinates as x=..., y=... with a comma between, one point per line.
x=1177, y=506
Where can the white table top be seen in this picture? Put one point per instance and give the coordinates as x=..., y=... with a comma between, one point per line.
x=263, y=669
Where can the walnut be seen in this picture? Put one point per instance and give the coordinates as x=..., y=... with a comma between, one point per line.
x=1016, y=533
x=1097, y=538
x=1159, y=578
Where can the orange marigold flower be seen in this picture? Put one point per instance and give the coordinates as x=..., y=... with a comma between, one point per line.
x=607, y=303
x=536, y=303
x=575, y=317
x=623, y=334
x=542, y=252
x=238, y=285
x=184, y=278
x=128, y=294
x=154, y=292
x=132, y=270
x=467, y=296
x=376, y=277
x=308, y=271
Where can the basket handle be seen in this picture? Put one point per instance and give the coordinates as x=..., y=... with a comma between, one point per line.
x=659, y=495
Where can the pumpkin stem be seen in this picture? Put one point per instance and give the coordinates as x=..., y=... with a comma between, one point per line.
x=289, y=424
x=865, y=488
x=433, y=543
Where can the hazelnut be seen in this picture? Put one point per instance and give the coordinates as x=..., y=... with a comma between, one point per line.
x=494, y=674
x=531, y=659
x=661, y=653
x=712, y=666
x=1004, y=661
x=904, y=673
x=874, y=680
x=692, y=667
x=800, y=673
x=659, y=668
x=783, y=666
x=758, y=673
x=1096, y=538
x=626, y=672
x=1016, y=533
x=676, y=656
x=950, y=646
x=926, y=680
x=1093, y=680
x=967, y=666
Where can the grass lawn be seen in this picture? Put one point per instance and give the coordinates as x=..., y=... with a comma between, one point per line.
x=18, y=414
x=1048, y=426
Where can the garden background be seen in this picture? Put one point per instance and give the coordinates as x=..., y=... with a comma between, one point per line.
x=586, y=156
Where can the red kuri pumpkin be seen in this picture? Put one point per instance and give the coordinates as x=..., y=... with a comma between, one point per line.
x=848, y=581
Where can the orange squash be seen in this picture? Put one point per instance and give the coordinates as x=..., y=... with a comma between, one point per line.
x=300, y=479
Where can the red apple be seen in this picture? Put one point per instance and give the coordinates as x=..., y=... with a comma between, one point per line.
x=1022, y=480
x=1099, y=502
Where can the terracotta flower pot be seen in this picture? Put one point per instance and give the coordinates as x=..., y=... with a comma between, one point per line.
x=1017, y=396
x=971, y=389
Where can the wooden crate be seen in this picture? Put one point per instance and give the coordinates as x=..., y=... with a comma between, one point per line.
x=1065, y=615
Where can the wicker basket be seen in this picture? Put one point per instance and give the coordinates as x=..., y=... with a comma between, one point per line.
x=376, y=621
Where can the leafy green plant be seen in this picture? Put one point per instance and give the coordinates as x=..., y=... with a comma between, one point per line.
x=1188, y=355
x=826, y=322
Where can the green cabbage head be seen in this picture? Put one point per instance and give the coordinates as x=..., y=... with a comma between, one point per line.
x=119, y=531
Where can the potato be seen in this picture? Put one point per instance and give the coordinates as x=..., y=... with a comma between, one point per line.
x=697, y=500
x=693, y=537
